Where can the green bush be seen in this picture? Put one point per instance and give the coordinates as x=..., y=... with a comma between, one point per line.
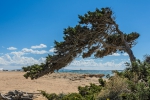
x=73, y=96
x=89, y=92
x=113, y=88
x=102, y=82
x=51, y=96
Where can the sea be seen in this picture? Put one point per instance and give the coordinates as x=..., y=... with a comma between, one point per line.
x=105, y=72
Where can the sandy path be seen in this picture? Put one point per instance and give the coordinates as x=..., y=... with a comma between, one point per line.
x=53, y=83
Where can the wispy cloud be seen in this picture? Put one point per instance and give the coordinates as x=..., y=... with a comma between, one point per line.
x=12, y=48
x=125, y=54
x=52, y=50
x=38, y=46
x=115, y=54
x=18, y=59
x=26, y=50
x=17, y=53
x=93, y=64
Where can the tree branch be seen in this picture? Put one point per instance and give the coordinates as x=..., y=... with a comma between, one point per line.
x=111, y=46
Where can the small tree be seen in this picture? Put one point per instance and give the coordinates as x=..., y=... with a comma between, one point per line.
x=96, y=33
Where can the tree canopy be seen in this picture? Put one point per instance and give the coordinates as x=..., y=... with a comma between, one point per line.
x=96, y=34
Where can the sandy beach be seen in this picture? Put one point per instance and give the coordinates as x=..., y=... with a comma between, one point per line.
x=52, y=83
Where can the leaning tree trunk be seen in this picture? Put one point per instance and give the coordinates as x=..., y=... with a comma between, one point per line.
x=127, y=47
x=130, y=53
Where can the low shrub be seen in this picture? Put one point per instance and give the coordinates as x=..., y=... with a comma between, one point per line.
x=73, y=96
x=89, y=92
x=101, y=82
x=113, y=88
x=51, y=96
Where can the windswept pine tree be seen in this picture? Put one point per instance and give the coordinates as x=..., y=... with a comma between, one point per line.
x=97, y=33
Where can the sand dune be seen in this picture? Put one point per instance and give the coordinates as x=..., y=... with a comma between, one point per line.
x=52, y=83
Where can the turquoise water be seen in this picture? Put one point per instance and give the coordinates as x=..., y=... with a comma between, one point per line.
x=105, y=72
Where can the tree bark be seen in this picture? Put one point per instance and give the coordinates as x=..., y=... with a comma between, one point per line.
x=130, y=53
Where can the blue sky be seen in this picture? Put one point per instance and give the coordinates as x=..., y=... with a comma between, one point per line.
x=28, y=29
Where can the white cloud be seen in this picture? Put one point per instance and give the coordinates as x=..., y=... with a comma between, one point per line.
x=2, y=60
x=52, y=50
x=15, y=59
x=1, y=69
x=39, y=46
x=94, y=65
x=115, y=54
x=19, y=53
x=18, y=59
x=125, y=54
x=26, y=50
x=7, y=57
x=12, y=48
